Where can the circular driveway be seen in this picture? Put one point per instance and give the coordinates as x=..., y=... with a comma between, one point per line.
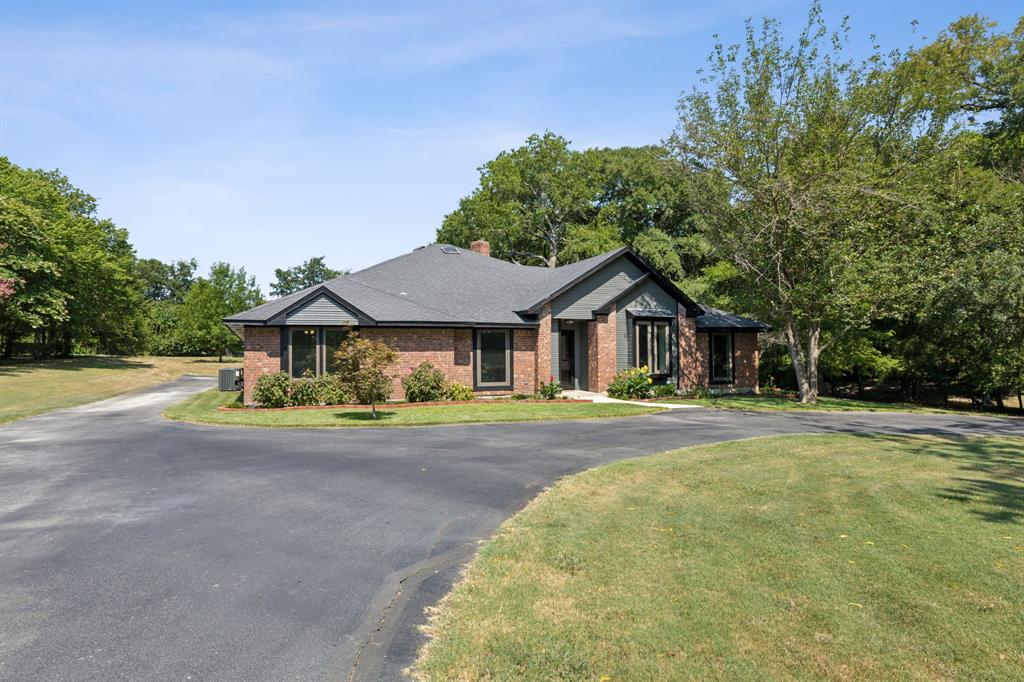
x=136, y=548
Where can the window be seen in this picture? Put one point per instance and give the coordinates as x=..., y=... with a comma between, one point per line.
x=653, y=346
x=333, y=336
x=493, y=359
x=302, y=352
x=721, y=357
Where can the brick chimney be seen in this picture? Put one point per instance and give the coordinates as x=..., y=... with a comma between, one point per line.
x=481, y=246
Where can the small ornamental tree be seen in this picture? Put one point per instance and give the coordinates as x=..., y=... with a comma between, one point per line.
x=360, y=365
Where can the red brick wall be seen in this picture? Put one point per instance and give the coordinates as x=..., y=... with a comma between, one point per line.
x=542, y=359
x=746, y=356
x=693, y=366
x=262, y=355
x=601, y=352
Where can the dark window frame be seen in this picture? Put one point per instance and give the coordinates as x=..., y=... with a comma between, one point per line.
x=653, y=321
x=732, y=357
x=509, y=361
x=321, y=364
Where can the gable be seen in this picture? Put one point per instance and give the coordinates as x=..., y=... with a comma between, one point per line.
x=603, y=285
x=321, y=310
x=648, y=299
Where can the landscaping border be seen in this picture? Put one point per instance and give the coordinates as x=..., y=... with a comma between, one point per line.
x=389, y=406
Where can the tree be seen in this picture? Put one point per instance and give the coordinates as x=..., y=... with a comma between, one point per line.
x=93, y=268
x=224, y=292
x=528, y=201
x=813, y=172
x=166, y=281
x=311, y=272
x=360, y=365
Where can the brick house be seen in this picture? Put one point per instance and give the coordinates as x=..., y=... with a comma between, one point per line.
x=501, y=327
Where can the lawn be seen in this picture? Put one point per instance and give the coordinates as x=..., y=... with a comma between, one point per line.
x=800, y=557
x=202, y=408
x=28, y=388
x=776, y=402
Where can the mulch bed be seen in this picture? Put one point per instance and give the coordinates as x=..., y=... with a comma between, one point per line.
x=391, y=406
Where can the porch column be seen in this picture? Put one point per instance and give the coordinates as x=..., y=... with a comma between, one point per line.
x=601, y=352
x=542, y=367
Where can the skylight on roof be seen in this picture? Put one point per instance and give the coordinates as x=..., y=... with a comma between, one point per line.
x=449, y=249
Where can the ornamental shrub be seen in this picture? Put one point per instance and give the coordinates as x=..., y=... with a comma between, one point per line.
x=425, y=384
x=302, y=392
x=331, y=391
x=631, y=384
x=549, y=390
x=271, y=390
x=457, y=391
x=362, y=369
x=664, y=391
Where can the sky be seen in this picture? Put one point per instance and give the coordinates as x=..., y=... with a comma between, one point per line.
x=265, y=133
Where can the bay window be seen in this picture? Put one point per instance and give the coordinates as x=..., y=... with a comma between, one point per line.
x=653, y=346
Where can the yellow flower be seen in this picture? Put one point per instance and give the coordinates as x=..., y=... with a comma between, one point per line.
x=650, y=380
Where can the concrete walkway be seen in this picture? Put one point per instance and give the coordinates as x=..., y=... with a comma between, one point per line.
x=602, y=398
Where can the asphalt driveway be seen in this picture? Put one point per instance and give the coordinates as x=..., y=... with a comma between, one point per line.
x=136, y=548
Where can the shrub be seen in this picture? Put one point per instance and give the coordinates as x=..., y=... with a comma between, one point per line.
x=271, y=390
x=331, y=390
x=520, y=396
x=302, y=392
x=631, y=384
x=457, y=391
x=549, y=390
x=425, y=384
x=664, y=391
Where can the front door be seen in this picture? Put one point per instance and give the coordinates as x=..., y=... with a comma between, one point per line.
x=567, y=358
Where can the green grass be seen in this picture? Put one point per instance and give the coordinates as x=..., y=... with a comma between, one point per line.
x=800, y=557
x=202, y=408
x=28, y=388
x=774, y=402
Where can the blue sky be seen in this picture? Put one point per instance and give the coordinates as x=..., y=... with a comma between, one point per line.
x=266, y=133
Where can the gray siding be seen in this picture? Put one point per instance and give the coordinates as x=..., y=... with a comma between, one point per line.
x=647, y=300
x=322, y=310
x=555, y=329
x=580, y=302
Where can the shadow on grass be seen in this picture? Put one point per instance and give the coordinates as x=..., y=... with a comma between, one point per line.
x=993, y=484
x=364, y=416
x=17, y=367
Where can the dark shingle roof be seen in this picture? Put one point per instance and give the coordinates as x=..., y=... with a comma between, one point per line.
x=713, y=318
x=430, y=286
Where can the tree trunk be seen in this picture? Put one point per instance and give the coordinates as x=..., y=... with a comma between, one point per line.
x=373, y=410
x=1020, y=399
x=796, y=355
x=859, y=376
x=813, y=353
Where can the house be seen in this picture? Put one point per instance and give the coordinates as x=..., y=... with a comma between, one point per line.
x=501, y=327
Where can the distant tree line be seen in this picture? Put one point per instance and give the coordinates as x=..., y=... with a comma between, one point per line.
x=872, y=210
x=70, y=282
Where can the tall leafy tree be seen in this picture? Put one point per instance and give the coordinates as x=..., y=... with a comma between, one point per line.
x=311, y=272
x=224, y=292
x=813, y=171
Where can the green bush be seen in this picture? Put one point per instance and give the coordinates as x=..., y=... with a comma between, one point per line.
x=549, y=390
x=331, y=391
x=457, y=391
x=425, y=384
x=664, y=391
x=302, y=392
x=631, y=384
x=520, y=396
x=272, y=390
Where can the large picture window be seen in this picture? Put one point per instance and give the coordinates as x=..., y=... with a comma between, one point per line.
x=493, y=357
x=653, y=346
x=721, y=357
x=303, y=351
x=333, y=336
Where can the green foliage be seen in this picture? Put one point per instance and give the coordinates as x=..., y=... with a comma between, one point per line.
x=663, y=390
x=166, y=281
x=311, y=272
x=634, y=383
x=272, y=390
x=361, y=365
x=198, y=326
x=460, y=392
x=550, y=390
x=303, y=392
x=331, y=390
x=425, y=384
x=70, y=276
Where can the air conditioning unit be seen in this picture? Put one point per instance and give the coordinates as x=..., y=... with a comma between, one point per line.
x=230, y=379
